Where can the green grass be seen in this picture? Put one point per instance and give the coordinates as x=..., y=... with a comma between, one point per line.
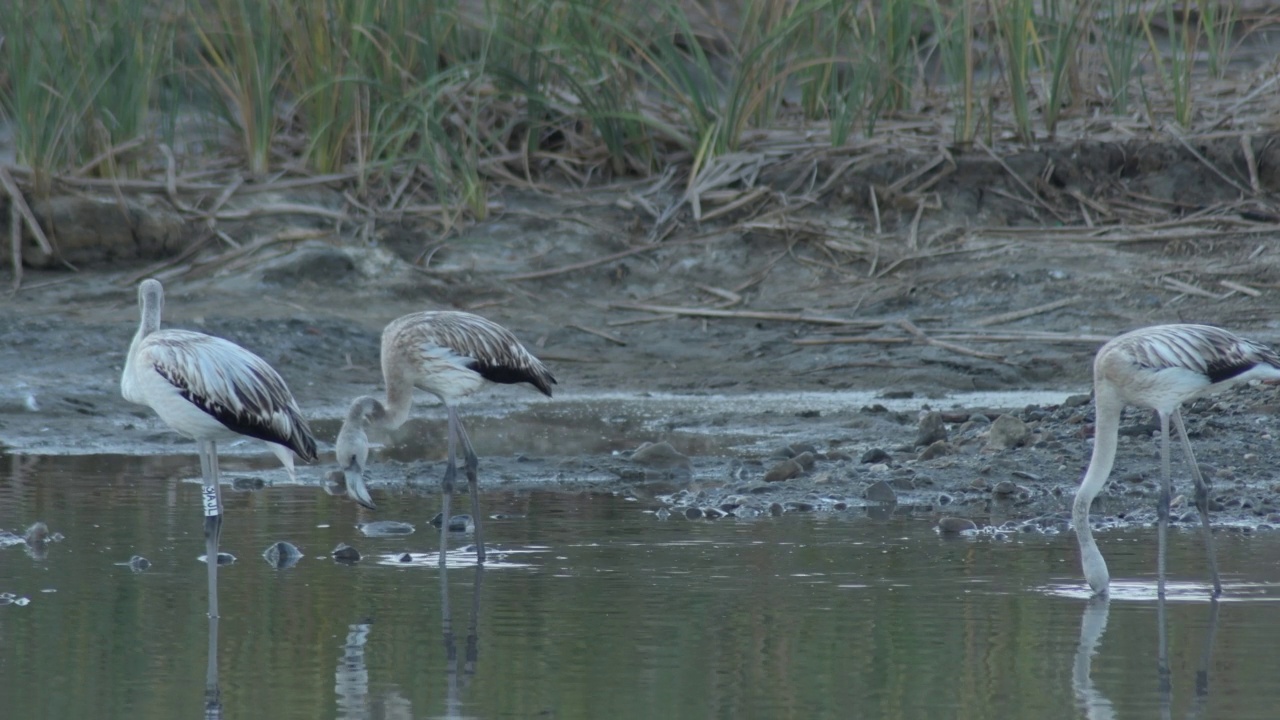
x=450, y=98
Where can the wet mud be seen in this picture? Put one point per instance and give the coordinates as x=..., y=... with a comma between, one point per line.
x=713, y=374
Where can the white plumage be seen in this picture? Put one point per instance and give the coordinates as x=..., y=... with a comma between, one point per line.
x=450, y=355
x=210, y=389
x=1159, y=368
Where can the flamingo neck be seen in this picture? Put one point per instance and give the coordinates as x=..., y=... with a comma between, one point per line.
x=399, y=400
x=151, y=303
x=1106, y=430
x=387, y=415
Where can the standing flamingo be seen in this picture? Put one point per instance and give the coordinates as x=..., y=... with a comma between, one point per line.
x=210, y=389
x=1160, y=367
x=450, y=355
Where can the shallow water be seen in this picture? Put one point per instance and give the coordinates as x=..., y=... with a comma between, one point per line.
x=592, y=607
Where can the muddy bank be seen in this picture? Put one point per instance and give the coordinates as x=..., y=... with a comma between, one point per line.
x=921, y=301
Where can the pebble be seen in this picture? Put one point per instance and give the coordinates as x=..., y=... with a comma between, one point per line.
x=385, y=528
x=660, y=455
x=663, y=513
x=137, y=563
x=247, y=484
x=805, y=460
x=457, y=523
x=881, y=492
x=1007, y=432
x=282, y=554
x=783, y=471
x=344, y=553
x=936, y=449
x=405, y=558
x=224, y=558
x=931, y=429
x=775, y=509
x=1005, y=487
x=954, y=525
x=874, y=455
x=692, y=513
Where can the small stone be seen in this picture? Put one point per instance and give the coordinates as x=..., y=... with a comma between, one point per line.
x=805, y=460
x=1074, y=401
x=784, y=470
x=224, y=558
x=775, y=509
x=955, y=525
x=386, y=528
x=692, y=513
x=712, y=513
x=660, y=455
x=405, y=558
x=137, y=563
x=36, y=534
x=1005, y=487
x=800, y=506
x=1007, y=432
x=978, y=484
x=878, y=468
x=936, y=449
x=662, y=513
x=881, y=492
x=931, y=429
x=247, y=484
x=281, y=555
x=344, y=553
x=874, y=455
x=457, y=523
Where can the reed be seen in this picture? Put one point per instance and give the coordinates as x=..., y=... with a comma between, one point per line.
x=450, y=97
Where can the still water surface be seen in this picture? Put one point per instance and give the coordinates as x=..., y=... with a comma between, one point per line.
x=598, y=610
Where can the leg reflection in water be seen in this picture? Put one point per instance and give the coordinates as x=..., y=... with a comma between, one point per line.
x=212, y=694
x=351, y=678
x=453, y=703
x=1093, y=624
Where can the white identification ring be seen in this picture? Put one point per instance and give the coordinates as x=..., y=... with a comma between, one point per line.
x=210, y=501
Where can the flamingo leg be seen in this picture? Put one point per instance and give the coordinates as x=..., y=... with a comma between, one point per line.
x=446, y=484
x=1162, y=506
x=1202, y=501
x=472, y=464
x=211, y=500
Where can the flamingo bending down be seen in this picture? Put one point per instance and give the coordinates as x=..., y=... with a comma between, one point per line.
x=1160, y=367
x=210, y=389
x=450, y=355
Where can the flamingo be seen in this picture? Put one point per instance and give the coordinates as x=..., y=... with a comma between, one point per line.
x=1159, y=368
x=450, y=355
x=210, y=389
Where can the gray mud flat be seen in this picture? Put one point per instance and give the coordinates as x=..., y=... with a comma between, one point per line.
x=815, y=378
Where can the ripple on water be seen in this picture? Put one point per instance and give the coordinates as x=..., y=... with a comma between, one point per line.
x=495, y=559
x=1175, y=591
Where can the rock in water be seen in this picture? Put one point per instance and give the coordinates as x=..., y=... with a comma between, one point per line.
x=281, y=555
